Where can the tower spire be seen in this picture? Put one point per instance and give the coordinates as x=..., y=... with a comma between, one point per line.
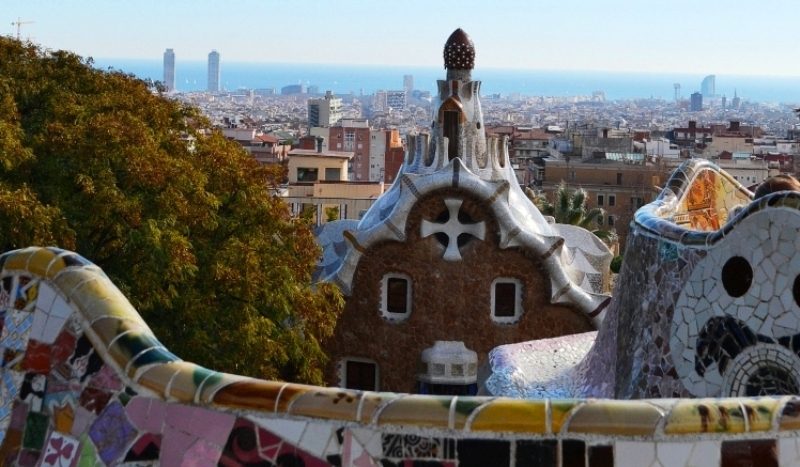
x=459, y=55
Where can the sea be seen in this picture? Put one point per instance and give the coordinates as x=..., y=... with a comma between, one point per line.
x=366, y=79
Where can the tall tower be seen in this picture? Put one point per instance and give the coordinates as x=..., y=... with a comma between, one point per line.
x=677, y=87
x=169, y=70
x=408, y=84
x=213, y=71
x=708, y=86
x=457, y=130
x=696, y=104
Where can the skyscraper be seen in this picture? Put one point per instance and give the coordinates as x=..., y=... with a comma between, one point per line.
x=408, y=84
x=213, y=71
x=169, y=70
x=696, y=104
x=708, y=86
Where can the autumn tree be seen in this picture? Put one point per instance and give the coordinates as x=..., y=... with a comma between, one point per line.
x=181, y=220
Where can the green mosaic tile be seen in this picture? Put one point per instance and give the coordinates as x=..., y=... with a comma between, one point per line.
x=35, y=431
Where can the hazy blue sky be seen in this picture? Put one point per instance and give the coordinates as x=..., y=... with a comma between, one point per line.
x=694, y=36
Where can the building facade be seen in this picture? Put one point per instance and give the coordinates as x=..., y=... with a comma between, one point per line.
x=213, y=72
x=453, y=260
x=324, y=111
x=169, y=70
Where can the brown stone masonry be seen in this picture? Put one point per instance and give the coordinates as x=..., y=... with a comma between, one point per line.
x=450, y=300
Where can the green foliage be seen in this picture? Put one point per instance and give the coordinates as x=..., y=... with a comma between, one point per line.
x=96, y=162
x=569, y=207
x=616, y=264
x=332, y=213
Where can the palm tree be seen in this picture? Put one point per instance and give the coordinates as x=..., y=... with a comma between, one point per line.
x=570, y=208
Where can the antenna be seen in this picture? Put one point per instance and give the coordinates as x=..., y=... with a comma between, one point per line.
x=18, y=23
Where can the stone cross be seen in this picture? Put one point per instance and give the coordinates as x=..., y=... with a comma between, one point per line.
x=453, y=228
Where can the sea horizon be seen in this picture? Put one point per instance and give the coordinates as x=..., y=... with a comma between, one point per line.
x=343, y=79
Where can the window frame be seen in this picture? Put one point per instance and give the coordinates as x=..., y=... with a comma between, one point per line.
x=384, y=300
x=309, y=170
x=612, y=200
x=517, y=300
x=601, y=200
x=343, y=372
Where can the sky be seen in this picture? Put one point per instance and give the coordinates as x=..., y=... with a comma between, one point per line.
x=681, y=36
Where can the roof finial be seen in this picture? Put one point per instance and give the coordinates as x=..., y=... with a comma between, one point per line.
x=459, y=51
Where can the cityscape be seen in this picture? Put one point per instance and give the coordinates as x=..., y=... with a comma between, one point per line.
x=273, y=234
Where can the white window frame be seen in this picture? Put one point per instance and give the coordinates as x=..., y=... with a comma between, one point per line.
x=384, y=310
x=343, y=370
x=517, y=301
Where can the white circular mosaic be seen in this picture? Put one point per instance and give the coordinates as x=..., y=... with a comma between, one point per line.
x=739, y=297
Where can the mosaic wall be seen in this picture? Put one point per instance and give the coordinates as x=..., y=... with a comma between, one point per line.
x=84, y=382
x=696, y=312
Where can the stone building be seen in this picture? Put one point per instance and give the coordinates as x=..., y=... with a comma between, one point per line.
x=453, y=260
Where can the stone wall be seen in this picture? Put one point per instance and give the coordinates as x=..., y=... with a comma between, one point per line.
x=451, y=300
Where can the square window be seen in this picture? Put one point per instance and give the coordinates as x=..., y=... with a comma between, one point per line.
x=395, y=296
x=306, y=174
x=506, y=300
x=361, y=375
x=396, y=291
x=505, y=295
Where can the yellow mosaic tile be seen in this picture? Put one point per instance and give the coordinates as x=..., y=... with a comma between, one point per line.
x=157, y=377
x=39, y=261
x=790, y=415
x=99, y=297
x=464, y=407
x=511, y=415
x=371, y=403
x=329, y=403
x=615, y=417
x=559, y=410
x=212, y=385
x=250, y=394
x=705, y=416
x=760, y=412
x=71, y=278
x=107, y=329
x=186, y=382
x=430, y=411
x=291, y=392
x=18, y=260
x=63, y=417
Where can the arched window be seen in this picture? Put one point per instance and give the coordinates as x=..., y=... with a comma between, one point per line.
x=451, y=116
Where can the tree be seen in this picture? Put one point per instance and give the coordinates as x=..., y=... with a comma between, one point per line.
x=95, y=161
x=570, y=207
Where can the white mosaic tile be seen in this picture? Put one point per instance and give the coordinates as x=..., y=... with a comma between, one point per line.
x=789, y=451
x=316, y=438
x=704, y=454
x=634, y=454
x=674, y=454
x=289, y=430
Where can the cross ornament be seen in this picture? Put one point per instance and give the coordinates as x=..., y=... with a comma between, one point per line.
x=453, y=228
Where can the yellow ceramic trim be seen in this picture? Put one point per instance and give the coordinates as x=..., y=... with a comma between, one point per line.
x=107, y=315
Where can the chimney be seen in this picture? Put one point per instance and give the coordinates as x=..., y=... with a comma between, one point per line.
x=320, y=140
x=692, y=124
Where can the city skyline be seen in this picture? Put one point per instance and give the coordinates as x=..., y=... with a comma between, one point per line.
x=615, y=35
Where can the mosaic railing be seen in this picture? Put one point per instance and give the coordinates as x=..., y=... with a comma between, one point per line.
x=85, y=382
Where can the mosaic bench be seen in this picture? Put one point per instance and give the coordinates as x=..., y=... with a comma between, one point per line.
x=85, y=382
